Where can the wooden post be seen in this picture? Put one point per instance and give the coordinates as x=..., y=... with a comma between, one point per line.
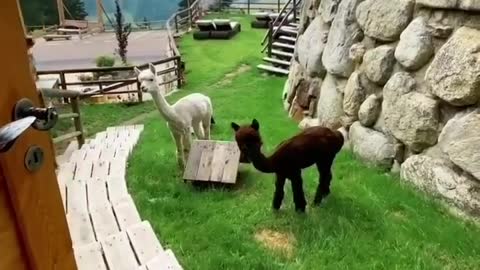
x=63, y=85
x=278, y=5
x=176, y=24
x=248, y=7
x=77, y=121
x=294, y=10
x=179, y=72
x=61, y=12
x=270, y=38
x=139, y=92
x=190, y=19
x=100, y=15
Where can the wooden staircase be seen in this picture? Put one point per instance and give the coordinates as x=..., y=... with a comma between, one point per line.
x=279, y=41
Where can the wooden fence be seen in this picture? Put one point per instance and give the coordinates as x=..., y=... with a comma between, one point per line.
x=250, y=5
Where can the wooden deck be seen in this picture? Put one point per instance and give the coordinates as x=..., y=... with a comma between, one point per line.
x=213, y=161
x=106, y=229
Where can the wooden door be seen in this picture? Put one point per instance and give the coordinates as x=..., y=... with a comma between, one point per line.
x=32, y=218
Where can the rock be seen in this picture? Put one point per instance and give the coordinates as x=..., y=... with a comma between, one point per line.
x=357, y=51
x=454, y=74
x=344, y=32
x=330, y=103
x=416, y=45
x=411, y=117
x=354, y=95
x=396, y=167
x=310, y=48
x=308, y=122
x=380, y=123
x=440, y=30
x=382, y=21
x=369, y=111
x=438, y=177
x=460, y=141
x=379, y=63
x=372, y=146
x=328, y=10
x=473, y=5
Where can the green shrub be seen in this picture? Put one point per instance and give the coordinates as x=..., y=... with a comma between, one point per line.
x=105, y=61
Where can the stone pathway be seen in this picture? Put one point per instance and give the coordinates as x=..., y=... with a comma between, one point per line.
x=105, y=226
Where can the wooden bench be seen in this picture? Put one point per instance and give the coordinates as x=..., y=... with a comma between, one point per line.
x=73, y=26
x=213, y=161
x=56, y=36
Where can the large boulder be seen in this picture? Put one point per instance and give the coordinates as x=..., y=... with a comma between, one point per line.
x=372, y=146
x=437, y=176
x=379, y=63
x=330, y=103
x=460, y=141
x=343, y=34
x=328, y=9
x=473, y=5
x=416, y=45
x=411, y=117
x=310, y=47
x=354, y=95
x=384, y=21
x=370, y=110
x=454, y=74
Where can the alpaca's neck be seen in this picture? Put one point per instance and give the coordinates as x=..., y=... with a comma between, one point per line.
x=162, y=105
x=260, y=161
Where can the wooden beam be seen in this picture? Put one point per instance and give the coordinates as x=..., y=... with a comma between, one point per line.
x=101, y=23
x=61, y=12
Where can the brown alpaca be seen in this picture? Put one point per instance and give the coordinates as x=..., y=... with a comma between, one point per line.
x=315, y=145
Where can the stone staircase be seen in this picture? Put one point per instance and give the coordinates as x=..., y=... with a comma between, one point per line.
x=106, y=229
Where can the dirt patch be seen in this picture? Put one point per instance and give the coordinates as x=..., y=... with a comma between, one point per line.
x=277, y=241
x=228, y=78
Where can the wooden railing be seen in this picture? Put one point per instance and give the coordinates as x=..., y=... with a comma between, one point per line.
x=74, y=100
x=250, y=6
x=106, y=87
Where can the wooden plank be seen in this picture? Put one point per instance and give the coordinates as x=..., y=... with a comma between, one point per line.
x=117, y=189
x=80, y=228
x=93, y=154
x=193, y=161
x=144, y=241
x=205, y=166
x=100, y=169
x=108, y=153
x=218, y=161
x=67, y=136
x=84, y=170
x=126, y=213
x=104, y=223
x=231, y=164
x=78, y=155
x=143, y=267
x=118, y=253
x=172, y=260
x=160, y=262
x=97, y=194
x=89, y=257
x=118, y=167
x=77, y=197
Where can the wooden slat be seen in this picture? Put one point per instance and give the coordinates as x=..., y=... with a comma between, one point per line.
x=144, y=242
x=93, y=154
x=78, y=155
x=231, y=164
x=84, y=170
x=160, y=262
x=118, y=167
x=100, y=169
x=66, y=136
x=108, y=153
x=218, y=161
x=193, y=161
x=97, y=194
x=118, y=253
x=126, y=213
x=104, y=222
x=117, y=189
x=172, y=260
x=77, y=197
x=80, y=228
x=89, y=257
x=67, y=115
x=205, y=166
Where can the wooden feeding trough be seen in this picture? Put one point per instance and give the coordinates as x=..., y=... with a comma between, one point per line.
x=213, y=161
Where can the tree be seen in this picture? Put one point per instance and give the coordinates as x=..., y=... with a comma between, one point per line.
x=122, y=32
x=44, y=12
x=76, y=8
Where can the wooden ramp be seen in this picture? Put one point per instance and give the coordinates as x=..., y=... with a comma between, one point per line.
x=105, y=226
x=213, y=161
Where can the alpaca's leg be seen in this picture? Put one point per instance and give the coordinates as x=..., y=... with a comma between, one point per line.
x=179, y=143
x=297, y=189
x=187, y=142
x=197, y=127
x=323, y=188
x=279, y=193
x=206, y=123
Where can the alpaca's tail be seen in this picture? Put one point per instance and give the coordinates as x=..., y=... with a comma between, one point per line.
x=212, y=121
x=342, y=136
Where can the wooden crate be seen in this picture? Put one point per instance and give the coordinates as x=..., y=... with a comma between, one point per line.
x=213, y=161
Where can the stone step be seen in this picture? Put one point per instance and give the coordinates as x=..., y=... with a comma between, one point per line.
x=283, y=45
x=276, y=61
x=282, y=53
x=287, y=30
x=287, y=38
x=296, y=25
x=273, y=69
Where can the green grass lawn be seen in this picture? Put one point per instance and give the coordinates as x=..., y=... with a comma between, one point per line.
x=370, y=221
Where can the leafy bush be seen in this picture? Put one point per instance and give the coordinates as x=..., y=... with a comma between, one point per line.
x=105, y=61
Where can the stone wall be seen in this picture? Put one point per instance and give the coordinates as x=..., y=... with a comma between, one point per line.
x=404, y=79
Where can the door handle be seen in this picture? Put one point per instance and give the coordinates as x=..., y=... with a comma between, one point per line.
x=25, y=115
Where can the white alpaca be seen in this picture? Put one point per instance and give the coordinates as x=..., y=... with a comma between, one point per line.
x=192, y=111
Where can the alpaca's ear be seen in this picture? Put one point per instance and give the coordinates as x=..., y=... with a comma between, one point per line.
x=137, y=71
x=255, y=125
x=152, y=68
x=235, y=126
